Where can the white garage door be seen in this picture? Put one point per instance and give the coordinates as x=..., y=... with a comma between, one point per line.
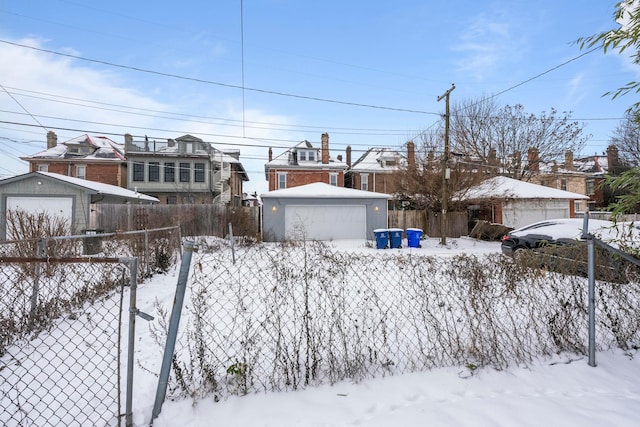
x=325, y=222
x=55, y=207
x=521, y=213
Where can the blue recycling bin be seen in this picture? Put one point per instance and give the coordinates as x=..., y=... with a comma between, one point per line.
x=395, y=236
x=382, y=238
x=413, y=237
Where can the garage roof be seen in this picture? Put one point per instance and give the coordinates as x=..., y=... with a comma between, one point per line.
x=324, y=190
x=91, y=186
x=502, y=187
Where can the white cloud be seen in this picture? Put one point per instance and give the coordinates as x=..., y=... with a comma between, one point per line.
x=42, y=73
x=485, y=43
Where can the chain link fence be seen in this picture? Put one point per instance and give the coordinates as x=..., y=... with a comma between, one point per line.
x=60, y=340
x=290, y=316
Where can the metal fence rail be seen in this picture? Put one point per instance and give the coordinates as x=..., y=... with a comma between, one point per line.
x=60, y=340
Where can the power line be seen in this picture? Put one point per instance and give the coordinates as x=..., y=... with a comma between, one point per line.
x=228, y=85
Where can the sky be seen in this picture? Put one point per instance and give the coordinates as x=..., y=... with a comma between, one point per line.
x=256, y=74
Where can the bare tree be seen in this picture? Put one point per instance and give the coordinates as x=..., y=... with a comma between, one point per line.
x=421, y=183
x=487, y=133
x=626, y=137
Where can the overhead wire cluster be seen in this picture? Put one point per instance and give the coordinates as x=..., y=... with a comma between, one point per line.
x=278, y=143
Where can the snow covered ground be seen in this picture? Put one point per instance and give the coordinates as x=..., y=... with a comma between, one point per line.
x=559, y=391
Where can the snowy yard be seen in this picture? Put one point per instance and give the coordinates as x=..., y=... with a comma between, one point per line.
x=557, y=390
x=553, y=391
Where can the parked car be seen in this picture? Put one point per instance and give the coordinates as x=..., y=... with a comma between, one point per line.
x=550, y=232
x=559, y=246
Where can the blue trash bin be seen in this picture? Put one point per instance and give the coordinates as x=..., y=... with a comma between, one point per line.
x=382, y=238
x=395, y=235
x=413, y=237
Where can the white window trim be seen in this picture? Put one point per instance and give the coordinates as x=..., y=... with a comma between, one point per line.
x=278, y=175
x=81, y=168
x=364, y=181
x=43, y=168
x=333, y=177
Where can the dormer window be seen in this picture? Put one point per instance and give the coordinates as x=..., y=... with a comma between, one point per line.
x=306, y=155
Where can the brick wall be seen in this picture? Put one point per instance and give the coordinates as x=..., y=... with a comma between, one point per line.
x=300, y=177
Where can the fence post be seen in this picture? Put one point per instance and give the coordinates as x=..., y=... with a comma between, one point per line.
x=133, y=285
x=172, y=333
x=36, y=284
x=232, y=242
x=591, y=274
x=146, y=253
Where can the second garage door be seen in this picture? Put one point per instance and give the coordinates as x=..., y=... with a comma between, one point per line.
x=325, y=222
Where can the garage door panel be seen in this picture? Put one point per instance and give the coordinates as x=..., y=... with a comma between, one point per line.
x=59, y=208
x=325, y=222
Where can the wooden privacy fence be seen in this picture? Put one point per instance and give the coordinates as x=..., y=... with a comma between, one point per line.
x=213, y=220
x=194, y=220
x=429, y=222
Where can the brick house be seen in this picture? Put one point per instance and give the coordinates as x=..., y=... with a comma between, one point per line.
x=94, y=158
x=185, y=170
x=376, y=169
x=305, y=163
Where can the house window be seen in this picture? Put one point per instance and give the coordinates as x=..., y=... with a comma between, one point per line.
x=154, y=171
x=311, y=156
x=198, y=173
x=282, y=180
x=43, y=168
x=171, y=200
x=302, y=156
x=364, y=181
x=138, y=172
x=563, y=184
x=81, y=172
x=333, y=179
x=185, y=172
x=590, y=187
x=578, y=205
x=169, y=172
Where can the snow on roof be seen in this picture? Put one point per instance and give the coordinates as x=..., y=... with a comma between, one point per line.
x=284, y=158
x=105, y=149
x=502, y=187
x=323, y=190
x=375, y=160
x=99, y=187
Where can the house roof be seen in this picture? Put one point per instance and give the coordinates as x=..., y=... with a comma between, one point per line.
x=323, y=190
x=90, y=186
x=502, y=187
x=374, y=160
x=104, y=149
x=284, y=159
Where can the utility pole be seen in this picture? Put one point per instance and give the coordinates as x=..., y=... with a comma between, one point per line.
x=445, y=168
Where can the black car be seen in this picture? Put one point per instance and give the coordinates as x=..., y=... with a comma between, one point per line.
x=549, y=232
x=557, y=245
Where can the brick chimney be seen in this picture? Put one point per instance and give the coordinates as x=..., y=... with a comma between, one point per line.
x=325, y=148
x=612, y=157
x=348, y=156
x=52, y=139
x=568, y=160
x=533, y=159
x=171, y=142
x=270, y=154
x=411, y=153
x=128, y=142
x=493, y=157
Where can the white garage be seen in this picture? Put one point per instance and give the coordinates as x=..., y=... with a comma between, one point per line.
x=325, y=222
x=61, y=197
x=515, y=203
x=321, y=211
